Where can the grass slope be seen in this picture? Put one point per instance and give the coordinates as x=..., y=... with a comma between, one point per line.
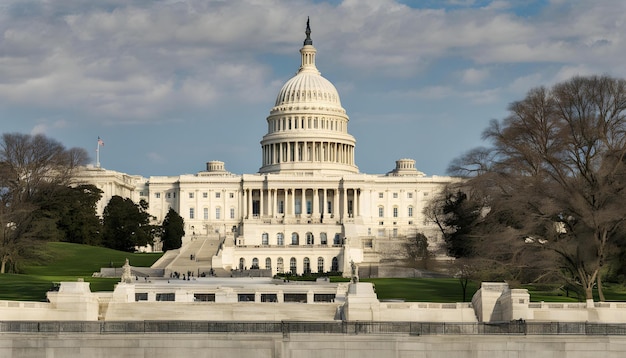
x=60, y=261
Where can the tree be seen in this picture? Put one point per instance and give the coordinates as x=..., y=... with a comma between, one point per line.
x=554, y=176
x=126, y=225
x=173, y=230
x=416, y=248
x=78, y=220
x=29, y=165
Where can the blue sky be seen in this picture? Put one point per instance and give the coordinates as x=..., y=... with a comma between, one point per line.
x=170, y=85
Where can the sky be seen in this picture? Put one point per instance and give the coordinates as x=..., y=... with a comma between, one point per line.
x=170, y=85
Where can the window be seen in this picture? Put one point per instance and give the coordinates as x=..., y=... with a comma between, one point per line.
x=280, y=239
x=381, y=223
x=242, y=263
x=298, y=207
x=232, y=213
x=268, y=264
x=191, y=213
x=255, y=264
x=204, y=297
x=395, y=195
x=206, y=213
x=309, y=207
x=293, y=265
x=409, y=195
x=323, y=238
x=265, y=239
x=165, y=296
x=320, y=264
x=306, y=265
x=381, y=232
x=281, y=207
x=141, y=193
x=218, y=213
x=190, y=195
x=335, y=265
x=309, y=238
x=381, y=195
x=329, y=207
x=279, y=265
x=168, y=195
x=410, y=222
x=295, y=240
x=425, y=193
x=410, y=211
x=395, y=232
x=217, y=195
x=381, y=211
x=231, y=195
x=157, y=195
x=205, y=195
x=395, y=211
x=141, y=296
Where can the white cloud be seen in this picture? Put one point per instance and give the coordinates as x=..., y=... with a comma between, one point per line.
x=474, y=76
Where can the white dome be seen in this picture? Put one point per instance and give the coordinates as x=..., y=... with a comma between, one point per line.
x=307, y=129
x=308, y=87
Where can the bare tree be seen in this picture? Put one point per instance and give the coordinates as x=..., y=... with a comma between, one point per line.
x=28, y=164
x=556, y=173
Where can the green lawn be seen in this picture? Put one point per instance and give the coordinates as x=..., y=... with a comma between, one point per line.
x=59, y=261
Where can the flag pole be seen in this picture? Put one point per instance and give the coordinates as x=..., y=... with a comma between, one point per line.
x=98, y=153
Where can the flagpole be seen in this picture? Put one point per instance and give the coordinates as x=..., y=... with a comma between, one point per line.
x=98, y=153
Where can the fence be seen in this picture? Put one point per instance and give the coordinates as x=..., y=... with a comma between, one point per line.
x=336, y=327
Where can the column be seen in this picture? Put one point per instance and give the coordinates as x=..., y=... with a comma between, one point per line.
x=336, y=203
x=261, y=212
x=316, y=203
x=344, y=213
x=324, y=199
x=249, y=203
x=274, y=202
x=293, y=202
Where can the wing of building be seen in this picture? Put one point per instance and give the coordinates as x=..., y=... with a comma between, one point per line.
x=308, y=209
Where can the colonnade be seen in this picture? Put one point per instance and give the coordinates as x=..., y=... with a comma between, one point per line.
x=306, y=151
x=301, y=202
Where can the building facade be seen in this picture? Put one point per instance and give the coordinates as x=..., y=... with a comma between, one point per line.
x=308, y=208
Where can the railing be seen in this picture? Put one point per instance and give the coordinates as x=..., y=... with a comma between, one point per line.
x=335, y=327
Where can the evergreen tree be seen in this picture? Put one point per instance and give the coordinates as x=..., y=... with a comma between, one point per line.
x=173, y=230
x=126, y=225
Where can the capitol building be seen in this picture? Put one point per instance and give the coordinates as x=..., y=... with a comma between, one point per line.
x=307, y=209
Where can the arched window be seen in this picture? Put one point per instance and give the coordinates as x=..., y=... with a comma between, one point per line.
x=280, y=239
x=320, y=264
x=255, y=264
x=268, y=264
x=309, y=238
x=293, y=265
x=337, y=240
x=306, y=265
x=295, y=239
x=242, y=263
x=323, y=238
x=265, y=239
x=279, y=265
x=335, y=265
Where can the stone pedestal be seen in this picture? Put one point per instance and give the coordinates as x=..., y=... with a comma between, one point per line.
x=361, y=303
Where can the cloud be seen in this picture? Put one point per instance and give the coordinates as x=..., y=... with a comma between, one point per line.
x=474, y=76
